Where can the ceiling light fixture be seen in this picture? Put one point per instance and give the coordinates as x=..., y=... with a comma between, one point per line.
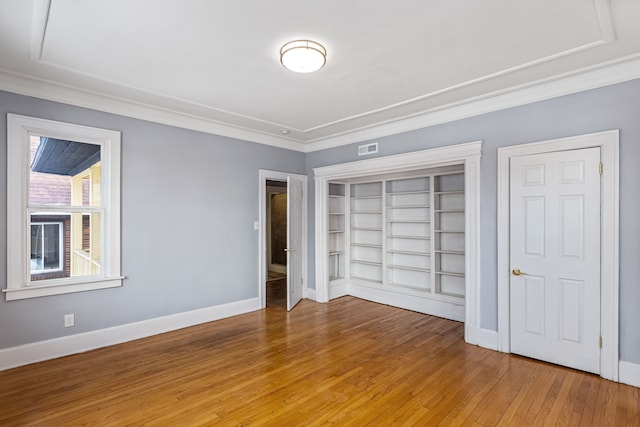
x=303, y=56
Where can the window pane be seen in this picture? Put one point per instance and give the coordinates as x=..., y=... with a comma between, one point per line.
x=65, y=245
x=36, y=247
x=51, y=246
x=85, y=242
x=64, y=173
x=47, y=249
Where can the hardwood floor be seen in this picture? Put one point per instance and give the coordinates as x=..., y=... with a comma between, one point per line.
x=349, y=362
x=277, y=293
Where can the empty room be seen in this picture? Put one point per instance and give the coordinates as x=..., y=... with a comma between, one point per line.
x=319, y=213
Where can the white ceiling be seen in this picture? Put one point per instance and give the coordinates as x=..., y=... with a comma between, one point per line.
x=391, y=65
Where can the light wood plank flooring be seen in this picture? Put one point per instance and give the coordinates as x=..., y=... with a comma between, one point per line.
x=349, y=362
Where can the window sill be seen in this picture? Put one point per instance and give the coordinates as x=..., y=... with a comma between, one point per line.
x=34, y=291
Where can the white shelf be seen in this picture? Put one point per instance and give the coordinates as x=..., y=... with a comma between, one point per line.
x=396, y=251
x=336, y=231
x=401, y=236
x=366, y=212
x=409, y=207
x=394, y=193
x=368, y=279
x=410, y=221
x=361, y=261
x=439, y=193
x=450, y=231
x=404, y=267
x=450, y=273
x=366, y=228
x=446, y=252
x=366, y=245
x=365, y=197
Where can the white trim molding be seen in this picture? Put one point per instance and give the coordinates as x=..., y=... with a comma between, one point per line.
x=608, y=142
x=591, y=77
x=467, y=154
x=50, y=349
x=630, y=373
x=20, y=129
x=488, y=339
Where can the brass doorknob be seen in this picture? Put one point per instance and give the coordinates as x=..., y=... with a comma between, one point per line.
x=516, y=272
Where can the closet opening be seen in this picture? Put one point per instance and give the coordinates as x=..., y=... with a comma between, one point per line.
x=403, y=230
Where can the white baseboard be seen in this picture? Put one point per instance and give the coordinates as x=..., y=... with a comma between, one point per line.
x=488, y=339
x=64, y=346
x=310, y=294
x=629, y=373
x=338, y=290
x=447, y=310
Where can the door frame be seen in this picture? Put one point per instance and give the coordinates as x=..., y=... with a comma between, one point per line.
x=263, y=263
x=608, y=142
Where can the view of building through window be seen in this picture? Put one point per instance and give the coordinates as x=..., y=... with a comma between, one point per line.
x=64, y=208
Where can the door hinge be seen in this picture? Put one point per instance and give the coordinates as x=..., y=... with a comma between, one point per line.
x=600, y=342
x=600, y=169
x=301, y=281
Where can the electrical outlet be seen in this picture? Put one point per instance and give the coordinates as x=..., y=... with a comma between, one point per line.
x=69, y=320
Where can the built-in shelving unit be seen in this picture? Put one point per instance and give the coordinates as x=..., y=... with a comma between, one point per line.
x=366, y=231
x=408, y=233
x=449, y=229
x=337, y=231
x=400, y=235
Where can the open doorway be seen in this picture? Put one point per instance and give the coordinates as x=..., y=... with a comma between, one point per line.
x=296, y=232
x=276, y=244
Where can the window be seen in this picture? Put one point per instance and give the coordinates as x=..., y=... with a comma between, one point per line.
x=46, y=248
x=63, y=208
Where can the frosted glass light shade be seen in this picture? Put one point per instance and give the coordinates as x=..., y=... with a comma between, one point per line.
x=303, y=56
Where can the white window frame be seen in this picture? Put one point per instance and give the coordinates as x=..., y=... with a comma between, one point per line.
x=19, y=130
x=60, y=247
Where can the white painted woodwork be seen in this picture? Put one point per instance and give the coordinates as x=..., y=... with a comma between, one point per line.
x=418, y=297
x=295, y=248
x=584, y=44
x=608, y=142
x=337, y=231
x=555, y=243
x=20, y=129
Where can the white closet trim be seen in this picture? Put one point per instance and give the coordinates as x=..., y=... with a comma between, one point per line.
x=467, y=154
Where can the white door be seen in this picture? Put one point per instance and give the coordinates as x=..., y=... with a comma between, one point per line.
x=294, y=241
x=555, y=257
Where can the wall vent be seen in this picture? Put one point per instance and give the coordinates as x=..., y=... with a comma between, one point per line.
x=372, y=148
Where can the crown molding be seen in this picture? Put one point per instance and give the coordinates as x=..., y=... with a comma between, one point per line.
x=593, y=77
x=66, y=94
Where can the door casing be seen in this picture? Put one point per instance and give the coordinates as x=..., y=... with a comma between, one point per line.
x=608, y=142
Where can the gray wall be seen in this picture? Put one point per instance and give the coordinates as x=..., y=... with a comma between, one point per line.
x=613, y=107
x=189, y=200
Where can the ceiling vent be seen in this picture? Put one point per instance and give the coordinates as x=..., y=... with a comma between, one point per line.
x=372, y=148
